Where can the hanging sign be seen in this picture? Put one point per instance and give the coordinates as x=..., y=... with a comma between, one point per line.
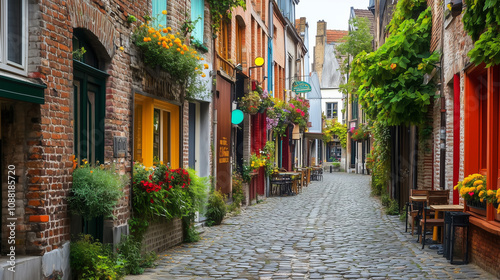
x=301, y=87
x=237, y=116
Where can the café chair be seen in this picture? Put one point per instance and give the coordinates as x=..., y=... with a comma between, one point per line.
x=429, y=221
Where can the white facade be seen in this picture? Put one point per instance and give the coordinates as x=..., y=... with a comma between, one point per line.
x=334, y=96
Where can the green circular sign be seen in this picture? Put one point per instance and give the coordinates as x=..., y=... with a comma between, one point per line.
x=237, y=116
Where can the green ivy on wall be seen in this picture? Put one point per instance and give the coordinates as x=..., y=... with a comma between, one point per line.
x=482, y=22
x=221, y=9
x=331, y=128
x=390, y=80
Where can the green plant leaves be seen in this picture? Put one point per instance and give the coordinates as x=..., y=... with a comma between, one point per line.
x=390, y=79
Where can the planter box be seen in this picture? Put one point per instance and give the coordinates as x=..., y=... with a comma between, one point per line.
x=477, y=207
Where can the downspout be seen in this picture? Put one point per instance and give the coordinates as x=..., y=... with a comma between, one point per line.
x=214, y=115
x=442, y=131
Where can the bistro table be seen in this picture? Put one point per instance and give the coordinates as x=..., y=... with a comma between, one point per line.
x=293, y=176
x=445, y=207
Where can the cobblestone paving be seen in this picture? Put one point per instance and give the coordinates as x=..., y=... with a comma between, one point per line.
x=332, y=230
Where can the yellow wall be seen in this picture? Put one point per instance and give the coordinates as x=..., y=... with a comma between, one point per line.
x=148, y=106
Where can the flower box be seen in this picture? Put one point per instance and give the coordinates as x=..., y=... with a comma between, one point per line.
x=477, y=207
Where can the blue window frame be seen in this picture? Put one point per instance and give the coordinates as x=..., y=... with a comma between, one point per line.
x=197, y=14
x=158, y=7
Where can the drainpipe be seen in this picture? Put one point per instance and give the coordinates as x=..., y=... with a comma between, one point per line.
x=442, y=131
x=214, y=115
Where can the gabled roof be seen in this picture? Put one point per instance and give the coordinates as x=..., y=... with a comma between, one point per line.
x=335, y=36
x=368, y=15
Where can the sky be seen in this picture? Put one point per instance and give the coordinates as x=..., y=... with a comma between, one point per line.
x=334, y=12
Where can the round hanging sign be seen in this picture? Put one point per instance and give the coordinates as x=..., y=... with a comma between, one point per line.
x=237, y=116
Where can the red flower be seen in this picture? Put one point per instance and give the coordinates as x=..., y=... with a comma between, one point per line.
x=152, y=201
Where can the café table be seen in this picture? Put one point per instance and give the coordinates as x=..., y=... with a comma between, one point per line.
x=293, y=176
x=445, y=207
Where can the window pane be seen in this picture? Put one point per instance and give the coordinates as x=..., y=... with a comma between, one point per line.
x=156, y=135
x=15, y=33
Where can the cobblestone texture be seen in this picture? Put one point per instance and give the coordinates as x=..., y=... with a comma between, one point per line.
x=332, y=230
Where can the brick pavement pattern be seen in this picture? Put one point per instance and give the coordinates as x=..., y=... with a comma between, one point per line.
x=334, y=229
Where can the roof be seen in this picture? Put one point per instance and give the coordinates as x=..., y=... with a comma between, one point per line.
x=335, y=36
x=366, y=14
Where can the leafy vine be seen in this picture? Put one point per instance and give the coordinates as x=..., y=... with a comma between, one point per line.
x=482, y=22
x=219, y=9
x=389, y=80
x=331, y=128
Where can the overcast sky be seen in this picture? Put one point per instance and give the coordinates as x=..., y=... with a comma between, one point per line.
x=334, y=12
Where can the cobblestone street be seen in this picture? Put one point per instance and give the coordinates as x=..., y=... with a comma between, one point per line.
x=332, y=230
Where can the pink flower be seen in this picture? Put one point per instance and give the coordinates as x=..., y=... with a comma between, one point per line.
x=291, y=105
x=471, y=194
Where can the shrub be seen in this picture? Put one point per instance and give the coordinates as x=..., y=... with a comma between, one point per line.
x=95, y=191
x=238, y=195
x=393, y=208
x=91, y=259
x=216, y=208
x=336, y=164
x=129, y=249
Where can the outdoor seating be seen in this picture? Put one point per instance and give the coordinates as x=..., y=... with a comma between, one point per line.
x=428, y=221
x=414, y=208
x=280, y=184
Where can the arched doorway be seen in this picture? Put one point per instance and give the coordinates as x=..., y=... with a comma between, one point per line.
x=89, y=99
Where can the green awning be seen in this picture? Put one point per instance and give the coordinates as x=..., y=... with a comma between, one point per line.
x=21, y=90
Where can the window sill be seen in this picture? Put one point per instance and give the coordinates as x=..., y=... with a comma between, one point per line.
x=492, y=227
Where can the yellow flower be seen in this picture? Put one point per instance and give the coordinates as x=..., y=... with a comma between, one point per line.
x=205, y=65
x=178, y=49
x=481, y=193
x=478, y=182
x=161, y=162
x=178, y=33
x=122, y=48
x=164, y=12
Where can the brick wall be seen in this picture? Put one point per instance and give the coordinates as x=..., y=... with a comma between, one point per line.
x=162, y=235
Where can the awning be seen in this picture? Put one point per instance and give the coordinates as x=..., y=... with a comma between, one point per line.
x=313, y=135
x=21, y=90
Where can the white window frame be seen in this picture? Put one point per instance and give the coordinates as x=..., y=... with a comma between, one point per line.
x=4, y=63
x=331, y=116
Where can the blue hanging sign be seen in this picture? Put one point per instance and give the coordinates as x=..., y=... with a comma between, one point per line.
x=301, y=87
x=237, y=116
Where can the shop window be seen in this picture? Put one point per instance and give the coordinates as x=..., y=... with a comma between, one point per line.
x=13, y=35
x=156, y=131
x=198, y=15
x=482, y=124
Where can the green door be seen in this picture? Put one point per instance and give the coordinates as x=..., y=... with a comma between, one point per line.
x=89, y=103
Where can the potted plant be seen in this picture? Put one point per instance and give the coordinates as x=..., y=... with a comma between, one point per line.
x=473, y=190
x=336, y=165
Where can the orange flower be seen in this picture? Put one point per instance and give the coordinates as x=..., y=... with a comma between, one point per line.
x=182, y=52
x=91, y=171
x=393, y=66
x=165, y=30
x=205, y=65
x=203, y=75
x=178, y=49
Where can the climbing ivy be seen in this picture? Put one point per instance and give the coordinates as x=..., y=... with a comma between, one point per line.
x=331, y=128
x=482, y=22
x=390, y=80
x=221, y=9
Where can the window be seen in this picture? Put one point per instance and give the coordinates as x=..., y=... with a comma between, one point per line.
x=331, y=110
x=354, y=108
x=198, y=15
x=13, y=35
x=223, y=40
x=156, y=131
x=482, y=125
x=158, y=7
